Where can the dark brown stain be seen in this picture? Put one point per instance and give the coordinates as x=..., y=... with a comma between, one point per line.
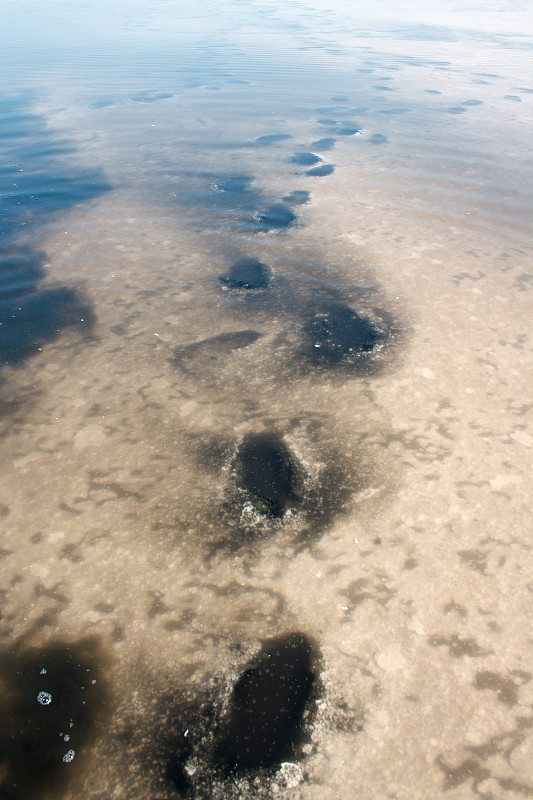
x=468, y=769
x=458, y=646
x=505, y=688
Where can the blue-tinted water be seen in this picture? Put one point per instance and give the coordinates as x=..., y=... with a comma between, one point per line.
x=265, y=365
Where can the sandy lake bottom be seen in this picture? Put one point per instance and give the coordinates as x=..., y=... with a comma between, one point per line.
x=265, y=400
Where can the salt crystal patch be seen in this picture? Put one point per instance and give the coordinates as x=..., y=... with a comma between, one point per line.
x=391, y=659
x=522, y=438
x=501, y=481
x=426, y=373
x=289, y=775
x=416, y=626
x=89, y=436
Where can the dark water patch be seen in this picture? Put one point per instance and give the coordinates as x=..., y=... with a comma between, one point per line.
x=524, y=89
x=306, y=159
x=39, y=320
x=274, y=218
x=246, y=273
x=316, y=327
x=52, y=700
x=272, y=138
x=213, y=348
x=268, y=474
x=297, y=198
x=29, y=317
x=40, y=181
x=20, y=272
x=228, y=741
x=36, y=171
x=35, y=194
x=337, y=331
x=265, y=719
x=379, y=138
x=321, y=171
x=432, y=91
x=472, y=103
x=385, y=88
x=340, y=127
x=232, y=197
x=336, y=335
x=324, y=144
x=151, y=96
x=513, y=98
x=340, y=99
x=348, y=129
x=239, y=204
x=234, y=184
x=456, y=110
x=278, y=493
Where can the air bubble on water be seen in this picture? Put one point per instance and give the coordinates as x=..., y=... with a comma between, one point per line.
x=69, y=756
x=43, y=671
x=44, y=698
x=66, y=737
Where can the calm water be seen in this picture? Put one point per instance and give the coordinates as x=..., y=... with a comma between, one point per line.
x=265, y=395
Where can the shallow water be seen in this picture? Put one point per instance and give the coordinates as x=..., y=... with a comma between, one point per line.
x=265, y=294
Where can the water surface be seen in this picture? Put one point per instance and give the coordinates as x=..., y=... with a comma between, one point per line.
x=265, y=370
